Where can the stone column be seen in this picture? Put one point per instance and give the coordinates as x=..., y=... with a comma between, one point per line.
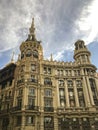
x=85, y=90
x=55, y=96
x=25, y=97
x=55, y=123
x=86, y=95
x=42, y=123
x=23, y=122
x=90, y=91
x=76, y=93
x=66, y=94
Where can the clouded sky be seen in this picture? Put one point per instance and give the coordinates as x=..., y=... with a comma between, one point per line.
x=59, y=23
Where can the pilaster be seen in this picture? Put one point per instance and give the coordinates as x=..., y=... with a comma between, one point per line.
x=66, y=94
x=76, y=93
x=90, y=91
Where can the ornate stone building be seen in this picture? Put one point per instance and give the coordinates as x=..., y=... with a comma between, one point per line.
x=38, y=94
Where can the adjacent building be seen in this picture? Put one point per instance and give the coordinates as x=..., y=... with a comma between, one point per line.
x=39, y=94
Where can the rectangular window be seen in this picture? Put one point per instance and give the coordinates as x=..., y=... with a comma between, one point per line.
x=31, y=91
x=33, y=67
x=79, y=83
x=72, y=103
x=48, y=123
x=47, y=70
x=19, y=120
x=48, y=92
x=33, y=79
x=48, y=102
x=19, y=103
x=30, y=120
x=70, y=83
x=61, y=92
x=61, y=83
x=20, y=92
x=62, y=97
x=31, y=101
x=47, y=81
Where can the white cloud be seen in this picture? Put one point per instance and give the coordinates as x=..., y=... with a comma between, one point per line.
x=88, y=24
x=58, y=23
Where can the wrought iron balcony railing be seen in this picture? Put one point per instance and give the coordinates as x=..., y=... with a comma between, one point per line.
x=48, y=109
x=31, y=107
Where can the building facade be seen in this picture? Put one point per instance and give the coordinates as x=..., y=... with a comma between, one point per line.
x=39, y=94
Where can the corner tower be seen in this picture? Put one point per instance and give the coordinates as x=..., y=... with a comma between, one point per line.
x=81, y=53
x=27, y=80
x=31, y=47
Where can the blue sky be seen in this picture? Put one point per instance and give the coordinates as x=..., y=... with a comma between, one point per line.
x=59, y=24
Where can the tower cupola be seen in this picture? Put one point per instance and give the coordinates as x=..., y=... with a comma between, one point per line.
x=81, y=53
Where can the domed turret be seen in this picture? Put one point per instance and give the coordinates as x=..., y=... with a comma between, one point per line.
x=81, y=53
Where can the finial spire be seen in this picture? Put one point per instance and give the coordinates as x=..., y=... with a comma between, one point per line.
x=32, y=31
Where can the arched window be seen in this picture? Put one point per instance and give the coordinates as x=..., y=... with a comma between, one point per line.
x=28, y=53
x=35, y=54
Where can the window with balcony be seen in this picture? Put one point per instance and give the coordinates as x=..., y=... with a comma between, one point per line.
x=48, y=123
x=19, y=103
x=48, y=102
x=19, y=120
x=31, y=101
x=61, y=83
x=48, y=92
x=31, y=91
x=33, y=79
x=30, y=120
x=47, y=81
